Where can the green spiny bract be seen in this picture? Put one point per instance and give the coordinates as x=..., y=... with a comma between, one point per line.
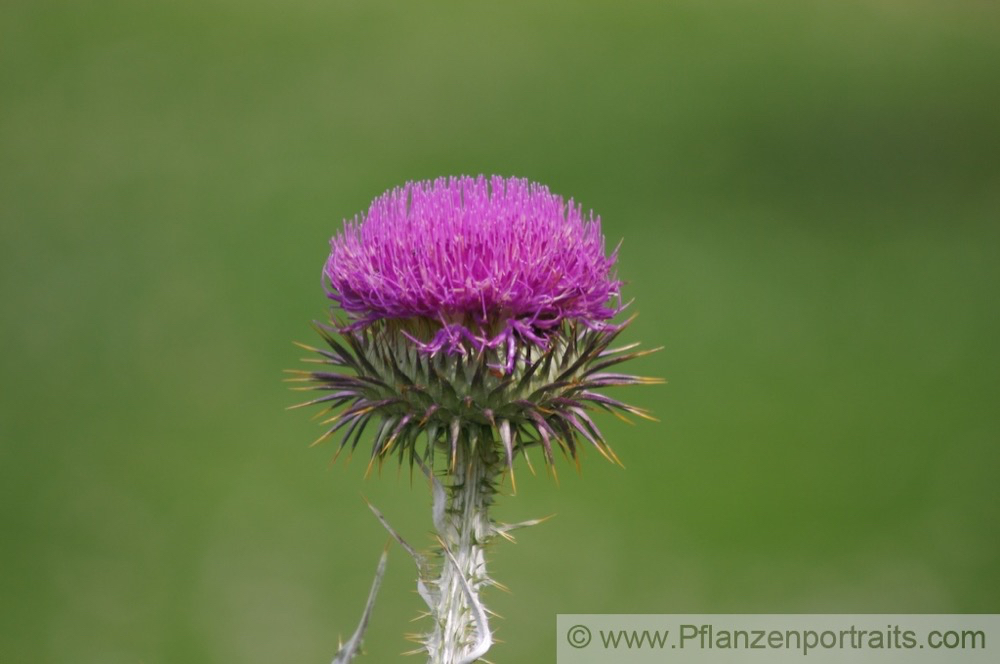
x=420, y=403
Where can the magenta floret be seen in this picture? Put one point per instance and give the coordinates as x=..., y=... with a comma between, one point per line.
x=492, y=261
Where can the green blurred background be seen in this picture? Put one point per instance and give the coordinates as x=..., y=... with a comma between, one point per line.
x=809, y=197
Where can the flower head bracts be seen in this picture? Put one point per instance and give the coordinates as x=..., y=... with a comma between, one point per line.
x=422, y=403
x=491, y=262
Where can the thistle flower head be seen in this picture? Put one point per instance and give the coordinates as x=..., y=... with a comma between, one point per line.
x=491, y=262
x=478, y=317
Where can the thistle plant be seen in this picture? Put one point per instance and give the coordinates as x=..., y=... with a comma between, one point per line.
x=475, y=326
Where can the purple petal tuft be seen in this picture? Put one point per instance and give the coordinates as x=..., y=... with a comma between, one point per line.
x=491, y=261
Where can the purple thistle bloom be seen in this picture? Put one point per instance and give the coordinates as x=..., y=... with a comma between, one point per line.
x=493, y=262
x=507, y=279
x=514, y=286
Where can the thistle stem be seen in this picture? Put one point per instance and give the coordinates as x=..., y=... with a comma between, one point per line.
x=461, y=633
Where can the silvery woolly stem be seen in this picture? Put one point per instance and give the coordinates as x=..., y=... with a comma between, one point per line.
x=461, y=630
